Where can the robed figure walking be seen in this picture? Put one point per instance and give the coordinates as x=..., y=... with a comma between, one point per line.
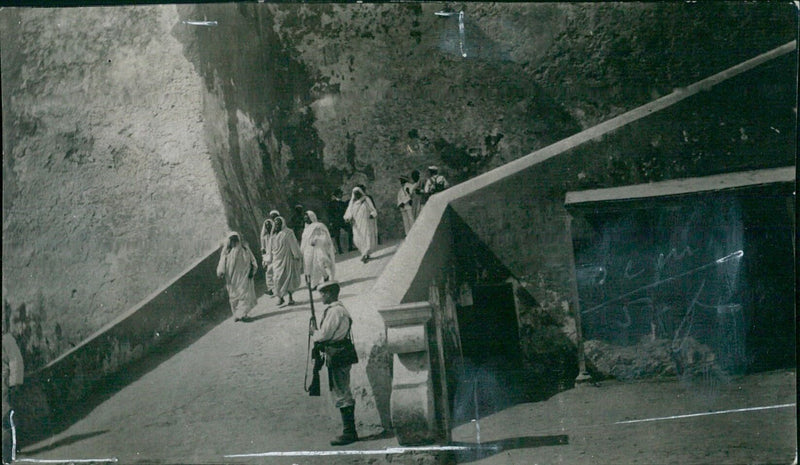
x=266, y=241
x=361, y=213
x=319, y=253
x=237, y=265
x=286, y=259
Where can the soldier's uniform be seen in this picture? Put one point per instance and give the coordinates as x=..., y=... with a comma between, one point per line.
x=335, y=327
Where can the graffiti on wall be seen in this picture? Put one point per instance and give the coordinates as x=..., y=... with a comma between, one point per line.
x=669, y=275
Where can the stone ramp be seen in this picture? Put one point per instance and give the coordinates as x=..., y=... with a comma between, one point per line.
x=238, y=389
x=236, y=392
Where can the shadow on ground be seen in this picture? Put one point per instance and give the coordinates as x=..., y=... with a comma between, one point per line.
x=112, y=384
x=483, y=388
x=72, y=439
x=488, y=449
x=350, y=282
x=283, y=311
x=383, y=251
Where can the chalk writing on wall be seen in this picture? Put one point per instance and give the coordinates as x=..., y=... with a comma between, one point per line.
x=669, y=272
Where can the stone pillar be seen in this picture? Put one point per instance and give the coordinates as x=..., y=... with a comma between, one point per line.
x=412, y=406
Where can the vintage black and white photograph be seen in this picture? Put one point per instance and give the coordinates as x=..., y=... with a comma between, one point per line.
x=404, y=233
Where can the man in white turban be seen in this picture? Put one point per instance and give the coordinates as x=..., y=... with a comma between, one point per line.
x=266, y=241
x=237, y=265
x=286, y=259
x=404, y=202
x=361, y=213
x=319, y=253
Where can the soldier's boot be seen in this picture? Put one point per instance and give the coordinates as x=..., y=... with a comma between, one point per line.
x=349, y=434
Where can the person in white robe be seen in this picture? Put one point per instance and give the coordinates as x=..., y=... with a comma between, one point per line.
x=237, y=266
x=319, y=252
x=405, y=204
x=287, y=261
x=266, y=239
x=361, y=213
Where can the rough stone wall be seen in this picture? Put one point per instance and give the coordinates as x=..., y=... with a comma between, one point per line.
x=743, y=124
x=106, y=125
x=107, y=185
x=359, y=94
x=319, y=96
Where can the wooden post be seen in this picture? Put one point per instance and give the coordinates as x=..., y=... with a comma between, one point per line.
x=583, y=374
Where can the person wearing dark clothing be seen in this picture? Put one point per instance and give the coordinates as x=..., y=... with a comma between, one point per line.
x=434, y=184
x=297, y=222
x=416, y=194
x=336, y=222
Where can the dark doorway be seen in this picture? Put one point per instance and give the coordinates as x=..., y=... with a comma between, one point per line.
x=491, y=376
x=489, y=327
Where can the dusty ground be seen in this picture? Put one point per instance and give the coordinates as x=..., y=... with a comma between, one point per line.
x=238, y=390
x=583, y=425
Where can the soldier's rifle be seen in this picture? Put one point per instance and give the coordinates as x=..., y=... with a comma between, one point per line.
x=313, y=389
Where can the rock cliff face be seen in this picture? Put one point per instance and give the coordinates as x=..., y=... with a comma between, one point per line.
x=108, y=189
x=111, y=115
x=303, y=98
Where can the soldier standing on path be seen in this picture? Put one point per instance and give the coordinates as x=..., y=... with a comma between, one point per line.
x=333, y=336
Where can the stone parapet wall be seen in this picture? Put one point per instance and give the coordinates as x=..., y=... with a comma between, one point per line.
x=517, y=210
x=55, y=392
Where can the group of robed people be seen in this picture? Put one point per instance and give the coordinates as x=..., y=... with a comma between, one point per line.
x=414, y=193
x=285, y=261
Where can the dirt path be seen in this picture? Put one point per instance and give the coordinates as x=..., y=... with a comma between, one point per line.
x=238, y=389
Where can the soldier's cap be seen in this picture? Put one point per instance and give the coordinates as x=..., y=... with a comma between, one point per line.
x=328, y=286
x=433, y=168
